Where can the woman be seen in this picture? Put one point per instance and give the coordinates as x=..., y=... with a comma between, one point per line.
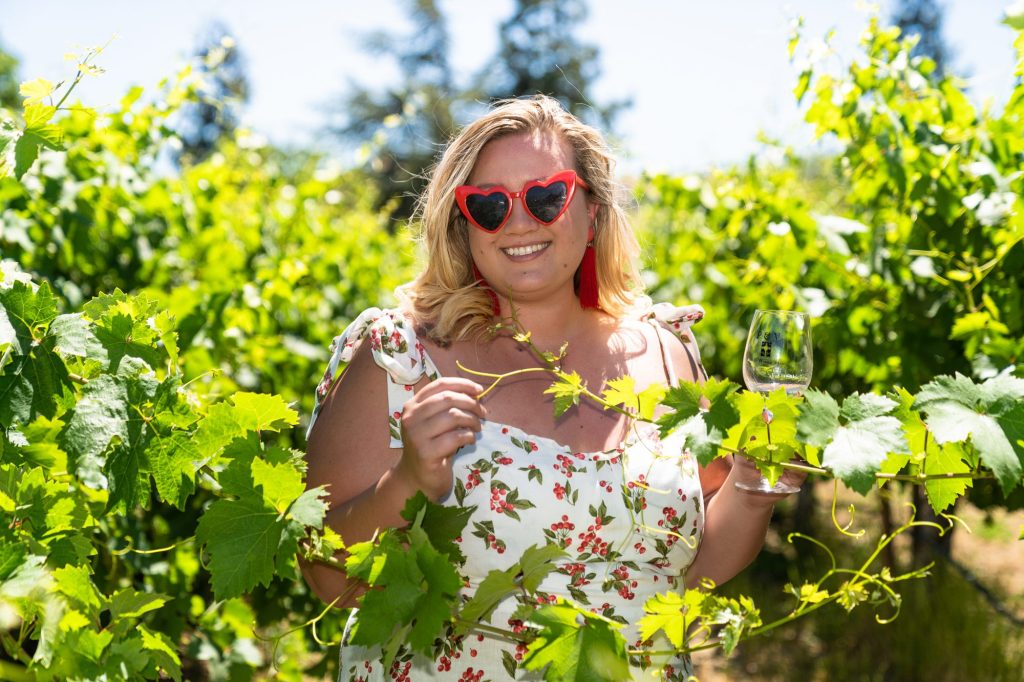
x=521, y=218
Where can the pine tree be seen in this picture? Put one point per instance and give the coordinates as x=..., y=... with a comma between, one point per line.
x=540, y=53
x=923, y=18
x=225, y=91
x=405, y=125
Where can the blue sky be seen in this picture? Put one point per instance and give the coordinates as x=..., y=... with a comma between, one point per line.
x=705, y=77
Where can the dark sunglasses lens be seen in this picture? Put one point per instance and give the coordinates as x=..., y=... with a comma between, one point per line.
x=545, y=203
x=488, y=210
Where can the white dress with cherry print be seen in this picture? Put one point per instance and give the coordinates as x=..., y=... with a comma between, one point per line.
x=630, y=518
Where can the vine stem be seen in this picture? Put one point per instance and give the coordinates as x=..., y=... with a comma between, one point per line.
x=913, y=478
x=804, y=608
x=15, y=672
x=330, y=562
x=507, y=635
x=584, y=391
x=14, y=649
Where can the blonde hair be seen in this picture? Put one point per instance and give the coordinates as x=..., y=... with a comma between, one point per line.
x=445, y=299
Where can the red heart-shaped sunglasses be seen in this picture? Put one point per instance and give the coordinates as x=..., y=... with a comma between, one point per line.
x=545, y=201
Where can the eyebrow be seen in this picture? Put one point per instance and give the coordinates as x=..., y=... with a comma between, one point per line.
x=488, y=185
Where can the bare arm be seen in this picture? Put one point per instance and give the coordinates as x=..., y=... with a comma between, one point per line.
x=348, y=452
x=368, y=482
x=735, y=521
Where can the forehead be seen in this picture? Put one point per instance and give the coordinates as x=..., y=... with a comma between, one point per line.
x=512, y=160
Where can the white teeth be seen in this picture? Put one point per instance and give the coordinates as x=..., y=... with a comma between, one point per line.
x=525, y=250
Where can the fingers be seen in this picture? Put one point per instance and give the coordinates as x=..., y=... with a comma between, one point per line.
x=451, y=441
x=455, y=384
x=443, y=395
x=443, y=417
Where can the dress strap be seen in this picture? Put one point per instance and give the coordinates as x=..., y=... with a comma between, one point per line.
x=395, y=348
x=666, y=361
x=678, y=320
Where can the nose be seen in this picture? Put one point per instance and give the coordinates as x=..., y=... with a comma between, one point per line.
x=520, y=220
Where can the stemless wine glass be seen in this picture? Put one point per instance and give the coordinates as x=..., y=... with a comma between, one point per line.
x=777, y=355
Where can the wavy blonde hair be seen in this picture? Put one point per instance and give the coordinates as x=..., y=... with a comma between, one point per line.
x=444, y=299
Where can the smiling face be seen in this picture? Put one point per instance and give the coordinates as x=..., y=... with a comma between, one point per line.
x=527, y=258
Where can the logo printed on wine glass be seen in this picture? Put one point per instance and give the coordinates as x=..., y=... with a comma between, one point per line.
x=770, y=339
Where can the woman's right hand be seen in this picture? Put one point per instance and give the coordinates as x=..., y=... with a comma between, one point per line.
x=438, y=420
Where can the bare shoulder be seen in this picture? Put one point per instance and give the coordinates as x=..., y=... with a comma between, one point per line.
x=349, y=446
x=682, y=352
x=654, y=338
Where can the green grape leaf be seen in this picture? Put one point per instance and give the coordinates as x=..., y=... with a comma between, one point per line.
x=684, y=401
x=664, y=611
x=66, y=513
x=128, y=657
x=309, y=509
x=622, y=392
x=947, y=459
x=242, y=537
x=737, y=616
x=37, y=114
x=173, y=463
x=857, y=438
x=75, y=582
x=442, y=524
x=537, y=562
x=89, y=643
x=704, y=429
x=73, y=620
x=164, y=324
x=649, y=399
x=722, y=414
x=262, y=412
x=576, y=645
x=12, y=555
x=858, y=450
x=989, y=414
x=281, y=482
x=42, y=449
x=35, y=91
x=860, y=407
x=53, y=390
x=171, y=406
x=69, y=549
x=26, y=149
x=74, y=337
x=100, y=415
x=130, y=603
x=819, y=418
x=287, y=548
x=492, y=590
x=701, y=443
x=393, y=568
x=567, y=391
x=123, y=336
x=127, y=479
x=216, y=430
x=29, y=310
x=162, y=650
x=37, y=381
x=418, y=586
x=435, y=605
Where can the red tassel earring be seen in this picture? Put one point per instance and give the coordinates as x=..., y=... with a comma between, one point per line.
x=588, y=278
x=481, y=282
